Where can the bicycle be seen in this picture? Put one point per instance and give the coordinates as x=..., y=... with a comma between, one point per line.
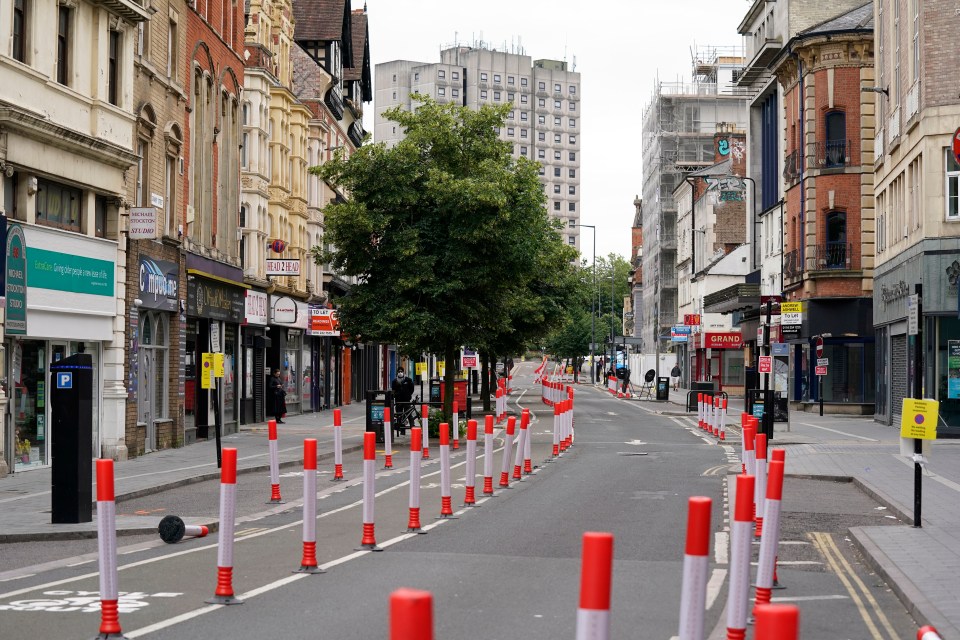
x=408, y=413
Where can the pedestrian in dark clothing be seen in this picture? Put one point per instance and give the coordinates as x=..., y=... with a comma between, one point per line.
x=402, y=388
x=279, y=397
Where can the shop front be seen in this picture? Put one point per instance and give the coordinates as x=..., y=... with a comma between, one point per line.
x=290, y=352
x=215, y=309
x=937, y=266
x=61, y=300
x=253, y=367
x=154, y=319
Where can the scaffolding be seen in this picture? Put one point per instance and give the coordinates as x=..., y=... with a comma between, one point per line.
x=679, y=124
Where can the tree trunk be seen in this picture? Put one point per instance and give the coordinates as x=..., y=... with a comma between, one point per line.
x=449, y=356
x=485, y=380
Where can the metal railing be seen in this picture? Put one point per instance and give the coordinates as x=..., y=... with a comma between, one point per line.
x=792, y=165
x=792, y=268
x=832, y=255
x=833, y=154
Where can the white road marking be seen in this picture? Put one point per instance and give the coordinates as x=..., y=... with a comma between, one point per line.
x=808, y=598
x=26, y=575
x=714, y=586
x=721, y=542
x=842, y=433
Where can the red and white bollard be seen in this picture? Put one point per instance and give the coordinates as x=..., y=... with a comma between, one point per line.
x=556, y=430
x=507, y=450
x=564, y=406
x=228, y=512
x=488, y=456
x=469, y=494
x=781, y=622
x=700, y=410
x=337, y=446
x=779, y=455
x=696, y=567
x=172, y=529
x=416, y=450
x=749, y=442
x=456, y=425
x=723, y=420
x=425, y=418
x=274, y=463
x=739, y=586
x=569, y=421
x=767, y=560
x=760, y=487
x=928, y=633
x=596, y=573
x=369, y=540
x=411, y=615
x=528, y=432
x=107, y=551
x=743, y=442
x=387, y=439
x=518, y=460
x=446, y=509
x=308, y=562
x=716, y=416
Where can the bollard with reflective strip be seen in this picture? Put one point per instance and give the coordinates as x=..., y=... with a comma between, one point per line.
x=739, y=585
x=416, y=450
x=596, y=573
x=928, y=633
x=760, y=486
x=723, y=420
x=308, y=561
x=425, y=418
x=556, y=430
x=387, y=439
x=696, y=567
x=228, y=510
x=507, y=449
x=488, y=455
x=525, y=428
x=106, y=552
x=369, y=540
x=456, y=424
x=771, y=533
x=518, y=460
x=337, y=446
x=172, y=529
x=446, y=509
x=411, y=615
x=274, y=463
x=469, y=497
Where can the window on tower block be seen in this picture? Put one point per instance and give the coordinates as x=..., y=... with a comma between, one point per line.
x=953, y=186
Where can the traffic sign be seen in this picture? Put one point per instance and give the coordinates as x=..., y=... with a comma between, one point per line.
x=64, y=380
x=766, y=364
x=913, y=314
x=821, y=371
x=956, y=144
x=819, y=347
x=823, y=362
x=918, y=419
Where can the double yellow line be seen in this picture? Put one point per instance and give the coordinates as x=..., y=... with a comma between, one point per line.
x=859, y=593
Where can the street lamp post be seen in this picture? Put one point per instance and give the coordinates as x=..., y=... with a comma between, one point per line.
x=593, y=310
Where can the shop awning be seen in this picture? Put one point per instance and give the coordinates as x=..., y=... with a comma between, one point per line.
x=738, y=297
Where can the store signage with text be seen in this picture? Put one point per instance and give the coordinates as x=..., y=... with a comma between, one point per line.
x=691, y=319
x=255, y=305
x=723, y=340
x=284, y=310
x=214, y=300
x=143, y=223
x=278, y=267
x=16, y=275
x=159, y=284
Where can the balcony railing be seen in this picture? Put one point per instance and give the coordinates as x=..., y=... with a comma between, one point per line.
x=913, y=100
x=834, y=154
x=832, y=255
x=878, y=146
x=791, y=264
x=792, y=165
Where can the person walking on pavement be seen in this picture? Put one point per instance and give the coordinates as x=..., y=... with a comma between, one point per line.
x=675, y=374
x=279, y=397
x=402, y=388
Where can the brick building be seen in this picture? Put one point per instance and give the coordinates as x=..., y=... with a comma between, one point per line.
x=213, y=78
x=828, y=220
x=155, y=279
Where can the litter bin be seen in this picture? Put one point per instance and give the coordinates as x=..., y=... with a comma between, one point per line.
x=376, y=401
x=663, y=388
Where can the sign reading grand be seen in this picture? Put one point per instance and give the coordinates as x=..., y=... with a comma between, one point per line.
x=158, y=283
x=68, y=272
x=16, y=272
x=728, y=340
x=211, y=299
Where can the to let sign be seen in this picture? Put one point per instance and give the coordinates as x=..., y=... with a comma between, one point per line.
x=143, y=223
x=276, y=267
x=766, y=364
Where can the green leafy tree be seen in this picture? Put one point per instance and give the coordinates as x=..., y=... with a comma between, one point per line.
x=444, y=233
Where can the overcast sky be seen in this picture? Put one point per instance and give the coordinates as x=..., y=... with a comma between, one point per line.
x=620, y=48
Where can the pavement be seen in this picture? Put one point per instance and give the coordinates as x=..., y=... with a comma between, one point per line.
x=921, y=565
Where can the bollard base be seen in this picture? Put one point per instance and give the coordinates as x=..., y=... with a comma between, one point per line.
x=368, y=547
x=275, y=502
x=418, y=531
x=110, y=636
x=447, y=516
x=312, y=569
x=225, y=600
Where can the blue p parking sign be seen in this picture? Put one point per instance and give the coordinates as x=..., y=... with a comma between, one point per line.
x=65, y=380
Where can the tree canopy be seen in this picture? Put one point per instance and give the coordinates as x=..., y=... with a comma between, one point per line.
x=447, y=235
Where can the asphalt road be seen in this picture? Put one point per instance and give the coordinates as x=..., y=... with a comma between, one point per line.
x=507, y=568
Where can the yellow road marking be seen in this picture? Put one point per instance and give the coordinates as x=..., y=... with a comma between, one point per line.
x=828, y=548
